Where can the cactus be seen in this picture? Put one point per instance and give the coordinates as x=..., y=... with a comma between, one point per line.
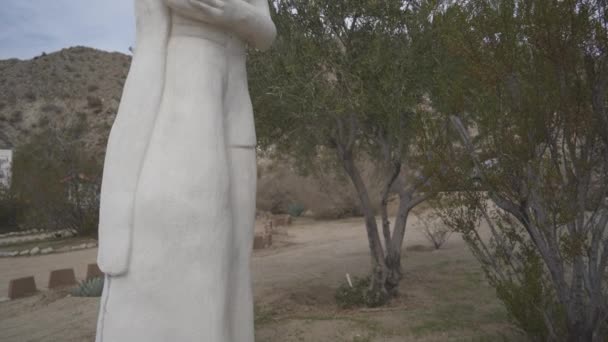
x=89, y=288
x=295, y=209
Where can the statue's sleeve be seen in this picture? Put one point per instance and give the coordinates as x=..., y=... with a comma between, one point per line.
x=255, y=27
x=262, y=31
x=130, y=136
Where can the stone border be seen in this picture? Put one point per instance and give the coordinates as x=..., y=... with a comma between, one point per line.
x=62, y=278
x=58, y=279
x=21, y=233
x=35, y=236
x=21, y=288
x=49, y=250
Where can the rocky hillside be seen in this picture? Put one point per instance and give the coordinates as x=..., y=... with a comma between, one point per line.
x=59, y=89
x=64, y=88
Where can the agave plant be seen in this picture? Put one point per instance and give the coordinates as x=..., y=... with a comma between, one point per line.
x=89, y=288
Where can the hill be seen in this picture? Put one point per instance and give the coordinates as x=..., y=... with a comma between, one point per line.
x=81, y=87
x=59, y=89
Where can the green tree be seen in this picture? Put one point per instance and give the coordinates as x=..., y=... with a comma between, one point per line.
x=345, y=81
x=526, y=85
x=57, y=181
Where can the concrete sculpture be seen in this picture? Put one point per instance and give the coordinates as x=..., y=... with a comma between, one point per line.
x=178, y=192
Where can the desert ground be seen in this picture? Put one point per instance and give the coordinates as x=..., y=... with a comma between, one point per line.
x=444, y=296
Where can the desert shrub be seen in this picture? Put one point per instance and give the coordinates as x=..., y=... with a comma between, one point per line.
x=352, y=296
x=273, y=196
x=11, y=96
x=30, y=96
x=47, y=108
x=59, y=181
x=332, y=213
x=11, y=210
x=295, y=209
x=16, y=117
x=92, y=88
x=94, y=101
x=533, y=128
x=44, y=121
x=435, y=232
x=357, y=293
x=526, y=300
x=89, y=288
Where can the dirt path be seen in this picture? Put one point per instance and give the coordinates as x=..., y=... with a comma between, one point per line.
x=314, y=251
x=293, y=285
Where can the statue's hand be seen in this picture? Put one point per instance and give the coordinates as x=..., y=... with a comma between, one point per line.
x=223, y=12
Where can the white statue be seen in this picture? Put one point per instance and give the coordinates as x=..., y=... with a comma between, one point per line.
x=178, y=192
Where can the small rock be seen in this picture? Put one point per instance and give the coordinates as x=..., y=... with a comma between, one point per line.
x=91, y=245
x=47, y=250
x=83, y=246
x=14, y=254
x=25, y=252
x=35, y=251
x=308, y=213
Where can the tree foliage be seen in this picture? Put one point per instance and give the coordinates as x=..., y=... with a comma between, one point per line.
x=57, y=181
x=344, y=82
x=525, y=84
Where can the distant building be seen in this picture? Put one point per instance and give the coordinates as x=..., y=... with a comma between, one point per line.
x=6, y=161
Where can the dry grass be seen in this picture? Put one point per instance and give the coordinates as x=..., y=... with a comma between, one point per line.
x=447, y=300
x=444, y=296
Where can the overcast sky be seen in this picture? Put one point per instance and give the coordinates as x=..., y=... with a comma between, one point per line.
x=30, y=27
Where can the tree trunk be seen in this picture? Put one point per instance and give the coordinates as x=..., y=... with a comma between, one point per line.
x=393, y=248
x=377, y=294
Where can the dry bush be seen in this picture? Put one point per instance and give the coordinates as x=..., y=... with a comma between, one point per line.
x=328, y=195
x=435, y=231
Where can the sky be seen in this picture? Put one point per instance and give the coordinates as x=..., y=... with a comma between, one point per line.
x=30, y=27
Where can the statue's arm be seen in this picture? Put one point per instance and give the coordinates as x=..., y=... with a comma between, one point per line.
x=257, y=28
x=186, y=9
x=250, y=21
x=130, y=135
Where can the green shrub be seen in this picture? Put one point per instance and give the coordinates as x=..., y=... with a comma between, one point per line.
x=59, y=181
x=295, y=210
x=89, y=288
x=11, y=210
x=354, y=296
x=528, y=300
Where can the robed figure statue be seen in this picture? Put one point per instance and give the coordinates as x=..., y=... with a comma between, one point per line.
x=178, y=192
